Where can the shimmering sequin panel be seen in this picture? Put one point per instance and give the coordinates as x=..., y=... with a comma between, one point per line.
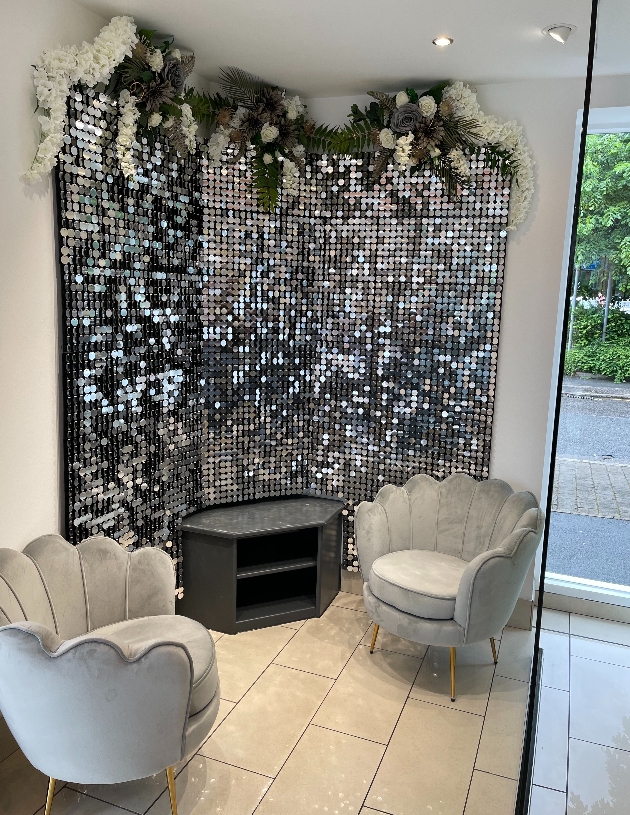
x=217, y=353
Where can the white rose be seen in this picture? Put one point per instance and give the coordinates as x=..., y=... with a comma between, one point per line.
x=267, y=158
x=176, y=53
x=292, y=112
x=268, y=133
x=298, y=150
x=155, y=119
x=156, y=60
x=401, y=99
x=388, y=140
x=427, y=106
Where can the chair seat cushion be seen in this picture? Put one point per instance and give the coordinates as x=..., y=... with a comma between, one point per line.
x=420, y=582
x=173, y=628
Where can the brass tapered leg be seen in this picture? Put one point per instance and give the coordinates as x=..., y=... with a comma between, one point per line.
x=49, y=797
x=494, y=650
x=170, y=777
x=374, y=636
x=453, y=661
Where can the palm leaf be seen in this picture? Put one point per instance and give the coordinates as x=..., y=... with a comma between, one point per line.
x=240, y=86
x=386, y=101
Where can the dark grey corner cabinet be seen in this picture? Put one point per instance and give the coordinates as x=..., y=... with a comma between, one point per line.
x=253, y=565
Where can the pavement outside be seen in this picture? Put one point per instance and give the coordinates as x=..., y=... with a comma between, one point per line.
x=590, y=522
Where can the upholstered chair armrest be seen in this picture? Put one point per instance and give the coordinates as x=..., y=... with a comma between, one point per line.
x=492, y=582
x=371, y=534
x=80, y=708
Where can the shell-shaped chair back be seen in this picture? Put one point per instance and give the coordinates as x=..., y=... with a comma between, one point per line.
x=54, y=583
x=458, y=516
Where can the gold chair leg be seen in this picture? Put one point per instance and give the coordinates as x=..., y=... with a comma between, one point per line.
x=374, y=636
x=453, y=661
x=49, y=797
x=170, y=777
x=494, y=650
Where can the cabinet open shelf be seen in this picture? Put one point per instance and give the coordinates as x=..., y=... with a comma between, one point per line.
x=279, y=566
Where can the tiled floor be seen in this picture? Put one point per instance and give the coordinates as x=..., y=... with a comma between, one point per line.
x=582, y=763
x=310, y=722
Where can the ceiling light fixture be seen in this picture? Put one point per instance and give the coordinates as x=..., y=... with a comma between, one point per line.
x=442, y=42
x=560, y=32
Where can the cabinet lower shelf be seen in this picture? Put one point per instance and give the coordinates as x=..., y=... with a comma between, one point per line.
x=292, y=608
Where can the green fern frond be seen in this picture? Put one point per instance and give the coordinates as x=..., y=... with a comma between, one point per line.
x=353, y=138
x=320, y=140
x=240, y=86
x=266, y=178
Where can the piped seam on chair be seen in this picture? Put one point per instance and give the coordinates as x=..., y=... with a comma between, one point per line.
x=50, y=603
x=470, y=503
x=207, y=671
x=17, y=599
x=85, y=593
x=5, y=615
x=496, y=520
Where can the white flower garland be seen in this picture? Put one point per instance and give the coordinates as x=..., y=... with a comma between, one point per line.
x=127, y=126
x=60, y=69
x=507, y=135
x=189, y=127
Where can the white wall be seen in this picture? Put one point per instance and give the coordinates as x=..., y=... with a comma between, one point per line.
x=29, y=437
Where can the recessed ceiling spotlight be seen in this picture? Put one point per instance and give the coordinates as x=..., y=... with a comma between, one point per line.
x=442, y=42
x=560, y=32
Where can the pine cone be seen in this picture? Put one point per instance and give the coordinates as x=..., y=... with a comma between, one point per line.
x=224, y=116
x=310, y=126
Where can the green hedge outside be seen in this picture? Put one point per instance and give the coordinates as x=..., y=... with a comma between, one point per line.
x=610, y=359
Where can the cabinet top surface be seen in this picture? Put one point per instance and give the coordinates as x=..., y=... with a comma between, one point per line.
x=248, y=520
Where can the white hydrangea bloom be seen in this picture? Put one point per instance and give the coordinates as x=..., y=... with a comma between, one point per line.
x=401, y=98
x=290, y=177
x=59, y=69
x=299, y=150
x=268, y=133
x=267, y=158
x=189, y=126
x=427, y=105
x=216, y=145
x=155, y=119
x=387, y=138
x=402, y=153
x=156, y=59
x=127, y=126
x=294, y=107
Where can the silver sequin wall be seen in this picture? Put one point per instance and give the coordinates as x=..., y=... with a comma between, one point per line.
x=217, y=353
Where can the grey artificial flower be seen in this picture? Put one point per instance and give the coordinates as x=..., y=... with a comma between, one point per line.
x=173, y=72
x=406, y=118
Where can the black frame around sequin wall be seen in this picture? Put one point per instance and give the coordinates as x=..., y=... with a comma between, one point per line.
x=216, y=353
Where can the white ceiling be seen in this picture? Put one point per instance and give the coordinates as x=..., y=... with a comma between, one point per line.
x=345, y=47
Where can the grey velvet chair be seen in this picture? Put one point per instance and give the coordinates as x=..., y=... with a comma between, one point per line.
x=100, y=681
x=443, y=563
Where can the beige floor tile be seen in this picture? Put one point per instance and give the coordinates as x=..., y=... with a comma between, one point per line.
x=367, y=698
x=216, y=635
x=208, y=787
x=429, y=762
x=225, y=707
x=502, y=737
x=8, y=744
x=346, y=600
x=390, y=642
x=490, y=795
x=552, y=739
x=553, y=620
x=22, y=787
x=555, y=647
x=71, y=802
x=600, y=703
x=515, y=654
x=474, y=672
x=599, y=781
x=243, y=657
x=295, y=626
x=328, y=772
x=136, y=796
x=267, y=723
x=548, y=802
x=600, y=651
x=606, y=630
x=324, y=646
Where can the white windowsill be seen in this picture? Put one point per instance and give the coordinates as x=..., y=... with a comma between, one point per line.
x=587, y=589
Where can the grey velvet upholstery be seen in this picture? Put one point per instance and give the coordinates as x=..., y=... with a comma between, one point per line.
x=443, y=563
x=100, y=681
